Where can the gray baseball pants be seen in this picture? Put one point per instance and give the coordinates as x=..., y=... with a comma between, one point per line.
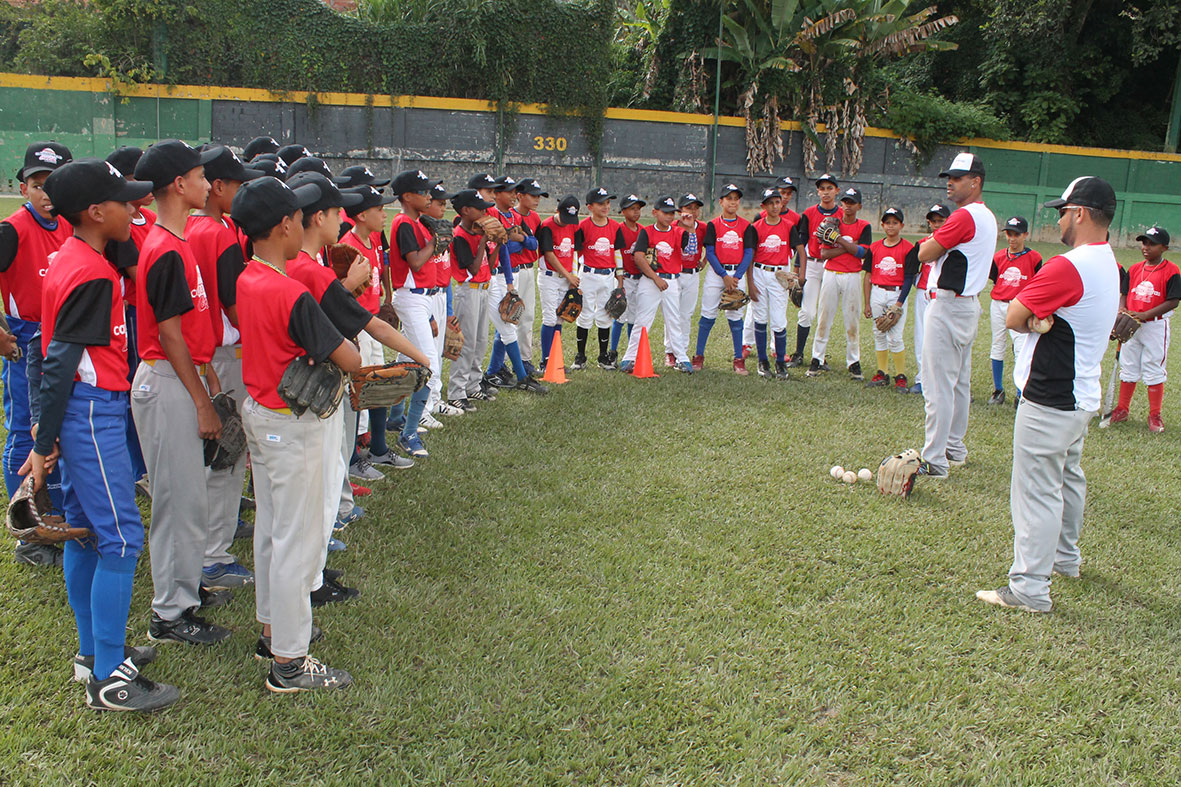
x=225, y=486
x=470, y=306
x=951, y=324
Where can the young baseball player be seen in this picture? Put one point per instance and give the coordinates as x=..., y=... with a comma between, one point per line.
x=27, y=239
x=521, y=241
x=690, y=207
x=629, y=229
x=885, y=273
x=812, y=268
x=775, y=233
x=597, y=241
x=258, y=146
x=529, y=192
x=472, y=274
x=786, y=188
x=935, y=217
x=280, y=322
x=555, y=239
x=842, y=254
x=81, y=410
x=440, y=307
x=1154, y=290
x=730, y=242
x=171, y=392
x=1011, y=270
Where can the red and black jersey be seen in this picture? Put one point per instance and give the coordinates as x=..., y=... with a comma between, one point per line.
x=667, y=243
x=689, y=261
x=25, y=248
x=464, y=248
x=349, y=316
x=442, y=267
x=139, y=233
x=886, y=264
x=370, y=299
x=410, y=235
x=860, y=232
x=532, y=224
x=169, y=284
x=215, y=246
x=809, y=221
x=597, y=244
x=1151, y=285
x=280, y=322
x=556, y=237
x=774, y=240
x=1011, y=272
x=82, y=303
x=626, y=241
x=730, y=238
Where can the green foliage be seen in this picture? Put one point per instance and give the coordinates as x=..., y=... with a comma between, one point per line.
x=55, y=38
x=926, y=120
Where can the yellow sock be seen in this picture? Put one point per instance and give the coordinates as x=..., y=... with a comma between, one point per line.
x=900, y=363
x=883, y=359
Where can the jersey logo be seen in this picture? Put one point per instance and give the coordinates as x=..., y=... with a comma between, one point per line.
x=664, y=249
x=566, y=247
x=1012, y=275
x=601, y=245
x=1145, y=290
x=200, y=300
x=888, y=265
x=731, y=240
x=772, y=243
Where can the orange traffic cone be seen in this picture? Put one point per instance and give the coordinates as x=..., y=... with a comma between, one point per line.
x=644, y=357
x=555, y=367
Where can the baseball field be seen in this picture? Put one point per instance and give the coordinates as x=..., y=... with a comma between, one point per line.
x=657, y=582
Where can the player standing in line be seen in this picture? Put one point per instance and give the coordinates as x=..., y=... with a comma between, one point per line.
x=1011, y=270
x=937, y=214
x=842, y=257
x=962, y=252
x=472, y=273
x=629, y=230
x=775, y=233
x=882, y=286
x=730, y=242
x=170, y=397
x=529, y=192
x=1058, y=376
x=521, y=241
x=1154, y=290
x=597, y=242
x=811, y=270
x=440, y=307
x=281, y=322
x=555, y=240
x=786, y=188
x=690, y=281
x=27, y=239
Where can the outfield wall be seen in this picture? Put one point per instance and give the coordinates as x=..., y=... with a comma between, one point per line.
x=645, y=152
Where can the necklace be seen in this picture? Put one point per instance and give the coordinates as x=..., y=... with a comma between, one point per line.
x=257, y=258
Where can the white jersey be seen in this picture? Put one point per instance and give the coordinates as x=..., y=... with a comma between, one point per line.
x=969, y=236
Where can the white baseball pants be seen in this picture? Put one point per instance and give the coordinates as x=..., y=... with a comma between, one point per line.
x=553, y=289
x=879, y=301
x=690, y=283
x=921, y=300
x=711, y=296
x=771, y=307
x=947, y=383
x=814, y=270
x=648, y=299
x=597, y=284
x=1143, y=357
x=525, y=280
x=843, y=290
x=997, y=310
x=470, y=306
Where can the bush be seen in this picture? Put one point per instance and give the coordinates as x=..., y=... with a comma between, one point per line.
x=927, y=120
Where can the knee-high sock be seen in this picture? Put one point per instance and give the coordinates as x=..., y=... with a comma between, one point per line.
x=414, y=412
x=377, y=423
x=497, y=358
x=1156, y=395
x=78, y=564
x=899, y=363
x=604, y=340
x=998, y=375
x=110, y=600
x=513, y=351
x=1125, y=394
x=761, y=340
x=736, y=335
x=616, y=330
x=781, y=346
x=883, y=360
x=801, y=339
x=704, y=326
x=547, y=341
x=582, y=334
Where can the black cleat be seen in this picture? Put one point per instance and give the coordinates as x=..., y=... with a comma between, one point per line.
x=332, y=593
x=998, y=397
x=262, y=649
x=765, y=369
x=212, y=599
x=531, y=385
x=814, y=368
x=855, y=371
x=38, y=555
x=188, y=628
x=140, y=656
x=579, y=362
x=781, y=370
x=126, y=690
x=305, y=674
x=796, y=360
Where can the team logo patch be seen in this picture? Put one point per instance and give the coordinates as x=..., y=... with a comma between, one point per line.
x=602, y=246
x=772, y=243
x=113, y=171
x=664, y=250
x=1014, y=223
x=566, y=246
x=1145, y=290
x=888, y=265
x=732, y=240
x=49, y=156
x=1012, y=275
x=571, y=210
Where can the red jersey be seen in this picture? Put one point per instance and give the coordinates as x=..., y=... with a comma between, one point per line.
x=774, y=240
x=813, y=216
x=531, y=223
x=464, y=248
x=597, y=244
x=556, y=237
x=666, y=244
x=689, y=261
x=215, y=246
x=730, y=239
x=860, y=232
x=1151, y=285
x=311, y=273
x=410, y=235
x=82, y=303
x=1010, y=273
x=348, y=316
x=139, y=233
x=21, y=276
x=886, y=263
x=371, y=297
x=169, y=284
x=442, y=267
x=626, y=241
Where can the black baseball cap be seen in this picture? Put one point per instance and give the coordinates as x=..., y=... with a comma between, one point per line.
x=358, y=175
x=505, y=183
x=76, y=185
x=1087, y=192
x=481, y=181
x=827, y=178
x=330, y=195
x=688, y=199
x=568, y=210
x=893, y=212
x=125, y=158
x=309, y=164
x=769, y=194
x=1016, y=224
x=292, y=153
x=227, y=166
x=271, y=165
x=851, y=195
x=665, y=204
x=785, y=183
x=169, y=159
x=469, y=198
x=440, y=193
x=43, y=157
x=629, y=200
x=259, y=145
x=1154, y=235
x=599, y=195
x=964, y=164
x=938, y=209
x=728, y=189
x=531, y=187
x=371, y=197
x=262, y=203
x=412, y=181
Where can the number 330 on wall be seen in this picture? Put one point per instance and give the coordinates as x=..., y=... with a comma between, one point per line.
x=549, y=143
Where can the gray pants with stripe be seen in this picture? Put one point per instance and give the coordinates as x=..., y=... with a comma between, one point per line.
x=1046, y=497
x=225, y=486
x=950, y=329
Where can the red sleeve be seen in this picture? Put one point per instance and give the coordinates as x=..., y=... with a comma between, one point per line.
x=958, y=229
x=1057, y=284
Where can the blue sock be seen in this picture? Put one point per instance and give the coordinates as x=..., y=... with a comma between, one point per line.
x=704, y=326
x=377, y=419
x=761, y=340
x=630, y=325
x=497, y=359
x=547, y=341
x=78, y=564
x=616, y=329
x=781, y=346
x=514, y=354
x=998, y=375
x=736, y=327
x=110, y=601
x=414, y=412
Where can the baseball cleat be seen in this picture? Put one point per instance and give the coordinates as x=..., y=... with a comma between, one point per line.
x=627, y=367
x=305, y=674
x=605, y=363
x=813, y=368
x=579, y=362
x=796, y=360
x=188, y=628
x=612, y=356
x=765, y=369
x=225, y=576
x=1119, y=415
x=670, y=360
x=429, y=421
x=140, y=656
x=482, y=396
x=38, y=555
x=931, y=471
x=262, y=648
x=960, y=462
x=331, y=592
x=855, y=371
x=1003, y=597
x=998, y=397
x=879, y=380
x=352, y=516
x=413, y=446
x=685, y=367
x=531, y=385
x=780, y=370
x=1155, y=424
x=446, y=408
x=360, y=491
x=126, y=690
x=336, y=545
x=746, y=348
x=901, y=384
x=740, y=367
x=462, y=404
x=362, y=470
x=391, y=459
x=212, y=599
x=698, y=362
x=489, y=382
x=917, y=388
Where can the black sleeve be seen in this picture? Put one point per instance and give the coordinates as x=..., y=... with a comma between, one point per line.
x=579, y=240
x=122, y=254
x=311, y=329
x=796, y=237
x=349, y=316
x=57, y=376
x=462, y=255
x=684, y=239
x=229, y=267
x=803, y=231
x=33, y=373
x=1173, y=288
x=545, y=239
x=641, y=242
x=345, y=226
x=711, y=236
x=8, y=243
x=407, y=240
x=1123, y=280
x=867, y=261
x=750, y=238
x=167, y=289
x=911, y=265
x=85, y=317
x=866, y=236
x=385, y=241
x=993, y=272
x=620, y=241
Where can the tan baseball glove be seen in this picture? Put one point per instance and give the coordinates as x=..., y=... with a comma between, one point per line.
x=29, y=518
x=889, y=319
x=341, y=256
x=787, y=280
x=1125, y=326
x=511, y=308
x=491, y=228
x=896, y=474
x=452, y=339
x=733, y=299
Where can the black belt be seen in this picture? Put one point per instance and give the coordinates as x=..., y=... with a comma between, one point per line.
x=771, y=268
x=524, y=266
x=633, y=275
x=668, y=275
x=600, y=271
x=426, y=290
x=895, y=288
x=730, y=268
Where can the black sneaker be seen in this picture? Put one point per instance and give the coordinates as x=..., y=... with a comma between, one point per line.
x=796, y=360
x=781, y=370
x=332, y=593
x=531, y=385
x=332, y=574
x=605, y=363
x=306, y=674
x=764, y=369
x=879, y=380
x=613, y=357
x=126, y=690
x=579, y=362
x=504, y=378
x=931, y=471
x=813, y=368
x=139, y=656
x=998, y=397
x=489, y=382
x=188, y=628
x=482, y=396
x=262, y=648
x=38, y=555
x=212, y=599
x=855, y=371
x=462, y=404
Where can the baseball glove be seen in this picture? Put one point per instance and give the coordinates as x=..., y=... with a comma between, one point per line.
x=1125, y=327
x=889, y=319
x=224, y=452
x=29, y=517
x=828, y=231
x=386, y=313
x=616, y=303
x=341, y=256
x=442, y=230
x=896, y=474
x=733, y=299
x=652, y=260
x=511, y=308
x=384, y=385
x=491, y=228
x=452, y=339
x=307, y=385
x=9, y=346
x=787, y=280
x=571, y=305
x=796, y=294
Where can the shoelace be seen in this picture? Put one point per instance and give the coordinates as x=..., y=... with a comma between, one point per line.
x=312, y=666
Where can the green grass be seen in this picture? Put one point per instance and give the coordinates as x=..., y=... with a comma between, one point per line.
x=657, y=582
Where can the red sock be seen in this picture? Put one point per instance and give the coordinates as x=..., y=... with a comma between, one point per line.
x=1125, y=394
x=1155, y=394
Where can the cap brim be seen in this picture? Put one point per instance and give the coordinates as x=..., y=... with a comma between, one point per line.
x=826, y=180
x=854, y=200
x=25, y=172
x=567, y=220
x=1151, y=239
x=444, y=196
x=209, y=155
x=691, y=202
x=133, y=190
x=306, y=196
x=348, y=200
x=1054, y=203
x=251, y=174
x=955, y=173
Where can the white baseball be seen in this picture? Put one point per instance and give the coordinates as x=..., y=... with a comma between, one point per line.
x=837, y=471
x=849, y=477
x=864, y=474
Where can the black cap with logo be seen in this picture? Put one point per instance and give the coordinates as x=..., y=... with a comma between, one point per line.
x=411, y=181
x=769, y=194
x=851, y=195
x=125, y=158
x=827, y=178
x=469, y=198
x=629, y=200
x=1087, y=192
x=258, y=145
x=1016, y=224
x=292, y=153
x=938, y=209
x=227, y=166
x=729, y=189
x=595, y=196
x=892, y=213
x=568, y=210
x=169, y=159
x=440, y=193
x=309, y=164
x=271, y=165
x=665, y=203
x=330, y=194
x=532, y=187
x=785, y=183
x=358, y=175
x=481, y=181
x=261, y=204
x=371, y=197
x=1156, y=235
x=76, y=185
x=505, y=183
x=689, y=199
x=43, y=157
